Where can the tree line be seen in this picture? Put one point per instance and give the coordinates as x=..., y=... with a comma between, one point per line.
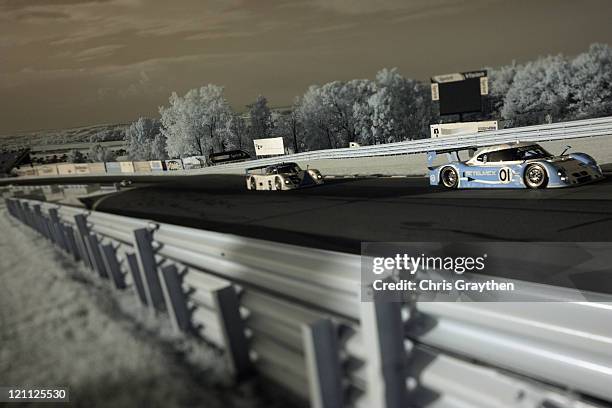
x=388, y=108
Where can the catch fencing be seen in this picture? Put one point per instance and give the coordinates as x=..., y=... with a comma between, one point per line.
x=293, y=315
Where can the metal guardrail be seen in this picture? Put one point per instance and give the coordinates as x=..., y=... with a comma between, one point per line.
x=539, y=133
x=294, y=315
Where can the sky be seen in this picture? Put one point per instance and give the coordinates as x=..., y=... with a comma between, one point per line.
x=67, y=63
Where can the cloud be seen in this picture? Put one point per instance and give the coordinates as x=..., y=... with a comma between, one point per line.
x=408, y=9
x=33, y=15
x=332, y=28
x=16, y=5
x=97, y=52
x=370, y=6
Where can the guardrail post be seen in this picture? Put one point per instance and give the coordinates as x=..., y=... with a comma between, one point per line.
x=43, y=224
x=96, y=257
x=175, y=298
x=56, y=229
x=82, y=232
x=132, y=262
x=10, y=205
x=39, y=223
x=112, y=266
x=71, y=242
x=27, y=215
x=22, y=212
x=323, y=364
x=148, y=267
x=16, y=208
x=227, y=306
x=383, y=335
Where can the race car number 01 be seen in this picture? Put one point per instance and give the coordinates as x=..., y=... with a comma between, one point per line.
x=505, y=175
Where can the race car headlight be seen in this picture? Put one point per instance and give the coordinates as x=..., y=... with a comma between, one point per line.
x=287, y=181
x=562, y=174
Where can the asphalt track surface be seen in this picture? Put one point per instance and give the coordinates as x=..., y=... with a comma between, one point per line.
x=342, y=213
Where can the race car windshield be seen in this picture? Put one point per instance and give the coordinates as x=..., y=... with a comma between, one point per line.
x=518, y=153
x=531, y=152
x=288, y=168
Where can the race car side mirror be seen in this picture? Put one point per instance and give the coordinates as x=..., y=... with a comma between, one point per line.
x=565, y=150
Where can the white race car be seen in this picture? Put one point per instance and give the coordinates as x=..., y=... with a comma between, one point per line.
x=281, y=176
x=514, y=165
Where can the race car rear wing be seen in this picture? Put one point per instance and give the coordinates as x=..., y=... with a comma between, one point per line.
x=248, y=170
x=452, y=155
x=267, y=165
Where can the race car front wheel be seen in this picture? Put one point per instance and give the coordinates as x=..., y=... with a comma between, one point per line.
x=253, y=183
x=535, y=176
x=278, y=184
x=449, y=177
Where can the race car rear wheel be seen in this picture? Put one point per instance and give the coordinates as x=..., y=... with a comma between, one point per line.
x=278, y=184
x=449, y=177
x=535, y=176
x=253, y=183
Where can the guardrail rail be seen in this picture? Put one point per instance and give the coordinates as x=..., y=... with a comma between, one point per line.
x=294, y=315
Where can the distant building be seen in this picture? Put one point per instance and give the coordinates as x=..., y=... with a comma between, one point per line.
x=58, y=153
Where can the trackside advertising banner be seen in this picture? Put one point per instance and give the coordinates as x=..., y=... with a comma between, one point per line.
x=66, y=169
x=97, y=168
x=81, y=168
x=195, y=162
x=174, y=164
x=126, y=167
x=46, y=170
x=486, y=271
x=113, y=167
x=142, y=167
x=156, y=165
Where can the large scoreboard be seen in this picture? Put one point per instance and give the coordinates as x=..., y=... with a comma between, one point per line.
x=460, y=92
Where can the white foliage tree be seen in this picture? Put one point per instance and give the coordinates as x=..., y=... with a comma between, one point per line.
x=316, y=120
x=340, y=100
x=327, y=114
x=98, y=153
x=540, y=91
x=398, y=109
x=500, y=81
x=144, y=141
x=196, y=123
x=158, y=147
x=288, y=125
x=591, y=82
x=75, y=156
x=260, y=118
x=237, y=134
